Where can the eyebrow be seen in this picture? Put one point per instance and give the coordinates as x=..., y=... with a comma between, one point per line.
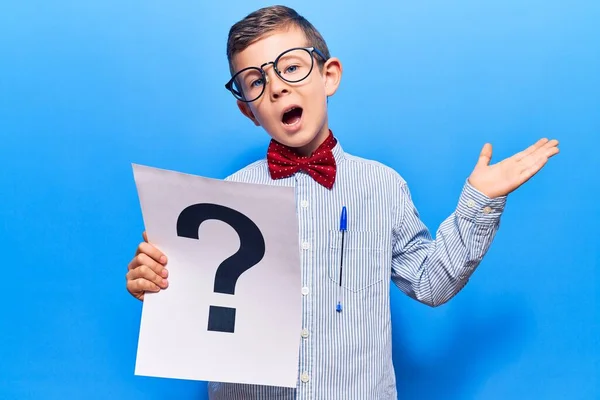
x=306, y=44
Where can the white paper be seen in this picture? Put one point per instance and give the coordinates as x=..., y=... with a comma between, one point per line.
x=174, y=340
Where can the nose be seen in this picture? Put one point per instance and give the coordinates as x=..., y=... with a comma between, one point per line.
x=275, y=85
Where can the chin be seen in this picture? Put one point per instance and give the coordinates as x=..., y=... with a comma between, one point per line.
x=302, y=138
x=293, y=128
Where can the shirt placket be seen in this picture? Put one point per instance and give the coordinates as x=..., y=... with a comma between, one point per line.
x=304, y=207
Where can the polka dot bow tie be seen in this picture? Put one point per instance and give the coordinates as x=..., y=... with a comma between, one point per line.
x=284, y=162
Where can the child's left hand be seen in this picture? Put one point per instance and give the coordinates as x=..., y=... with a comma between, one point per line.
x=504, y=177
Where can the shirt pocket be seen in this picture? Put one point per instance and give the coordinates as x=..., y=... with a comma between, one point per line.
x=362, y=258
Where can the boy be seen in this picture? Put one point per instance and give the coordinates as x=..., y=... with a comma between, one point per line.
x=282, y=76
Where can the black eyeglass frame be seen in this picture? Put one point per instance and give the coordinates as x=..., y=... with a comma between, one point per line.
x=240, y=97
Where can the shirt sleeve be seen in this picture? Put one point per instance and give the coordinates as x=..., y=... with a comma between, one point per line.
x=433, y=271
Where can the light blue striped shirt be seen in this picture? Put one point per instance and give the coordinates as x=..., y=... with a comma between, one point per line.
x=348, y=355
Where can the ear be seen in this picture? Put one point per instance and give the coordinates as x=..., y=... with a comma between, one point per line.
x=245, y=109
x=332, y=75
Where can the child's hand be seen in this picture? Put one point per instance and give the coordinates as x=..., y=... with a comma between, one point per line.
x=502, y=178
x=146, y=272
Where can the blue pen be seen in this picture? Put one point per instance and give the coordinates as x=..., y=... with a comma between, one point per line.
x=343, y=227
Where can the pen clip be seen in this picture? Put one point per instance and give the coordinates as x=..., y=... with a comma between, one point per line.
x=343, y=220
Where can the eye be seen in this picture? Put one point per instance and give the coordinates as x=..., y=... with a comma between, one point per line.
x=291, y=69
x=256, y=83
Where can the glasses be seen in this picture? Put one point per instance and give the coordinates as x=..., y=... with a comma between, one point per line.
x=293, y=66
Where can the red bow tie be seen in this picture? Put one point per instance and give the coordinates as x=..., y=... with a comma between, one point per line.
x=284, y=162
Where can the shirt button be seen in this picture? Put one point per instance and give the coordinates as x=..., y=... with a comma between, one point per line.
x=304, y=333
x=470, y=203
x=305, y=245
x=305, y=290
x=304, y=203
x=304, y=377
x=487, y=210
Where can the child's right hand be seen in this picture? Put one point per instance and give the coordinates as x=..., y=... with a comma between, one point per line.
x=146, y=272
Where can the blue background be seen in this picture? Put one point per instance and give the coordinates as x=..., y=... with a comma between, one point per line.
x=87, y=88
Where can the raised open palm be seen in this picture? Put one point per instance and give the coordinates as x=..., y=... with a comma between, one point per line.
x=504, y=177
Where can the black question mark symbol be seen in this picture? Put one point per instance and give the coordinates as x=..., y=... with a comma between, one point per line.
x=251, y=251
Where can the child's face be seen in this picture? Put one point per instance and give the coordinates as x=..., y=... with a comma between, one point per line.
x=306, y=126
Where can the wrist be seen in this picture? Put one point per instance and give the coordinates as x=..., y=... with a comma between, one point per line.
x=484, y=188
x=476, y=205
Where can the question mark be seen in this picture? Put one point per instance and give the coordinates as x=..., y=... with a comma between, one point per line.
x=251, y=251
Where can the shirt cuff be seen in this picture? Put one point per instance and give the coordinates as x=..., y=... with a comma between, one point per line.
x=476, y=206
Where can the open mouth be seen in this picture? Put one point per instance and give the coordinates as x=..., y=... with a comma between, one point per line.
x=292, y=116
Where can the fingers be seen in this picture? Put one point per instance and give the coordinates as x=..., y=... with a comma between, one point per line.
x=519, y=156
x=152, y=252
x=551, y=144
x=536, y=160
x=145, y=236
x=146, y=272
x=533, y=168
x=143, y=260
x=541, y=145
x=137, y=287
x=147, y=275
x=542, y=153
x=485, y=156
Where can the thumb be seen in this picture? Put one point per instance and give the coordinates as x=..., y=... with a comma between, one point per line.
x=145, y=236
x=485, y=156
